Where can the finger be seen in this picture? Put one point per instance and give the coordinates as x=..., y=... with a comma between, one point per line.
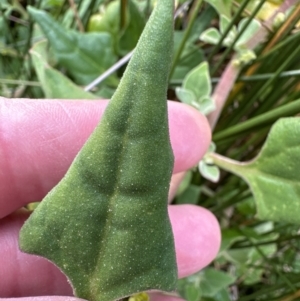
x=197, y=240
x=197, y=237
x=190, y=135
x=163, y=297
x=175, y=182
x=20, y=273
x=40, y=138
x=45, y=298
x=153, y=297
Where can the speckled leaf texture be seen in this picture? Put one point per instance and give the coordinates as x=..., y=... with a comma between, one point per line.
x=106, y=225
x=274, y=175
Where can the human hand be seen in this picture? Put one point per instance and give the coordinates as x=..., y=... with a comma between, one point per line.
x=38, y=141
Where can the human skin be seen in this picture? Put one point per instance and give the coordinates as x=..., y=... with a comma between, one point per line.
x=38, y=141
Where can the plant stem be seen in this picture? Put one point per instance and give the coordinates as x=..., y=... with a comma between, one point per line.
x=227, y=163
x=118, y=64
x=266, y=259
x=260, y=35
x=278, y=95
x=230, y=48
x=258, y=77
x=263, y=243
x=291, y=297
x=285, y=29
x=76, y=15
x=19, y=82
x=252, y=78
x=222, y=91
x=261, y=120
x=109, y=71
x=87, y=14
x=258, y=93
x=279, y=46
x=123, y=10
x=147, y=8
x=224, y=35
x=231, y=201
x=195, y=9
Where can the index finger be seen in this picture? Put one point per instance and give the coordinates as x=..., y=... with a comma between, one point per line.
x=40, y=138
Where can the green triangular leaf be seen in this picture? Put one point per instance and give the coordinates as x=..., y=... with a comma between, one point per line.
x=185, y=95
x=210, y=36
x=192, y=293
x=206, y=283
x=212, y=281
x=206, y=105
x=273, y=175
x=224, y=23
x=250, y=31
x=106, y=224
x=198, y=81
x=209, y=172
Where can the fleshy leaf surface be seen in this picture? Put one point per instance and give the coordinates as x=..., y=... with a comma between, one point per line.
x=224, y=23
x=198, y=81
x=211, y=36
x=186, y=96
x=273, y=175
x=209, y=172
x=206, y=105
x=249, y=32
x=106, y=224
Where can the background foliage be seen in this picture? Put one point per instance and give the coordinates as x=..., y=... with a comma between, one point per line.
x=249, y=81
